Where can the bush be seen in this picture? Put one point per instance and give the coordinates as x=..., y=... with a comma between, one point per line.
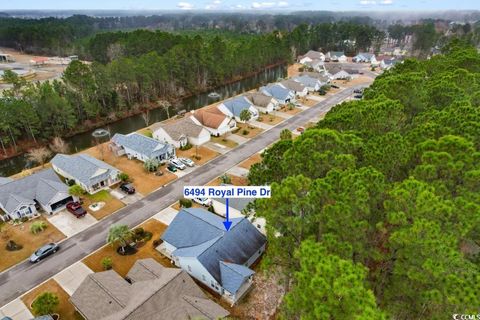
x=139, y=231
x=186, y=147
x=211, y=209
x=70, y=182
x=24, y=219
x=151, y=165
x=13, y=246
x=185, y=203
x=107, y=263
x=147, y=236
x=44, y=304
x=156, y=242
x=226, y=179
x=260, y=119
x=76, y=190
x=123, y=177
x=38, y=226
x=245, y=132
x=291, y=106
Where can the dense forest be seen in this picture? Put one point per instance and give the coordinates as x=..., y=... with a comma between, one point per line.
x=375, y=212
x=131, y=71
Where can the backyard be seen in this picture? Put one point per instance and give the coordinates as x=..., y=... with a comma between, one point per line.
x=112, y=204
x=22, y=236
x=65, y=309
x=251, y=130
x=122, y=264
x=145, y=182
x=205, y=154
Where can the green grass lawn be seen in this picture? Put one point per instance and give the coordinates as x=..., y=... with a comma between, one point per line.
x=102, y=195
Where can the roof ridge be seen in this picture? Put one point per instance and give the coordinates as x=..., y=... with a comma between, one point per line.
x=92, y=276
x=228, y=263
x=195, y=306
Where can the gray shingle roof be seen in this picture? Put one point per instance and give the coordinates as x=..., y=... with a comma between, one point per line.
x=200, y=233
x=84, y=168
x=144, y=145
x=233, y=275
x=337, y=54
x=4, y=180
x=307, y=81
x=177, y=129
x=236, y=203
x=41, y=186
x=156, y=292
x=259, y=99
x=276, y=91
x=312, y=54
x=237, y=105
x=366, y=55
x=293, y=85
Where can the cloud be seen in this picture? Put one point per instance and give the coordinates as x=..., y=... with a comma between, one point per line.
x=217, y=2
x=185, y=6
x=269, y=5
x=367, y=2
x=386, y=2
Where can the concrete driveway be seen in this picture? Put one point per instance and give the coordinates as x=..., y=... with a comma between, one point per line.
x=16, y=310
x=68, y=224
x=166, y=215
x=127, y=198
x=238, y=171
x=71, y=278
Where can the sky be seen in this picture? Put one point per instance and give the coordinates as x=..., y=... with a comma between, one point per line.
x=243, y=5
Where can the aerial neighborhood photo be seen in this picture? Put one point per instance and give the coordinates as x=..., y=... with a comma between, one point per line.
x=235, y=159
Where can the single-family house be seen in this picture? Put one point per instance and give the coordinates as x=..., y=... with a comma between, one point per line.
x=25, y=196
x=342, y=75
x=141, y=147
x=262, y=102
x=312, y=84
x=197, y=242
x=310, y=56
x=180, y=132
x=365, y=57
x=214, y=120
x=386, y=64
x=316, y=65
x=337, y=56
x=299, y=89
x=91, y=174
x=323, y=77
x=234, y=107
x=149, y=291
x=279, y=92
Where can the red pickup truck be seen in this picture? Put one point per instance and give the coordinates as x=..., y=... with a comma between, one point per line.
x=76, y=209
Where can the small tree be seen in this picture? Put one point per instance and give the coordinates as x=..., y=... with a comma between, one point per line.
x=245, y=115
x=123, y=177
x=38, y=226
x=146, y=117
x=185, y=203
x=119, y=234
x=76, y=191
x=59, y=145
x=226, y=179
x=107, y=263
x=151, y=165
x=165, y=105
x=286, y=134
x=44, y=304
x=39, y=155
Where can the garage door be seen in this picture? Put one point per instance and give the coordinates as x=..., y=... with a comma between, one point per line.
x=61, y=204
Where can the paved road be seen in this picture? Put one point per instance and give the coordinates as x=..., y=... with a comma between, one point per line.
x=24, y=276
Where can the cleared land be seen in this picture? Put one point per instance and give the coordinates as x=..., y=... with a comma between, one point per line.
x=177, y=207
x=270, y=119
x=236, y=181
x=204, y=153
x=250, y=129
x=65, y=309
x=292, y=111
x=224, y=141
x=21, y=235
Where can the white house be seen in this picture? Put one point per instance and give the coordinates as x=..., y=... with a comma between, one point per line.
x=214, y=120
x=141, y=147
x=180, y=132
x=310, y=56
x=91, y=174
x=262, y=102
x=23, y=197
x=365, y=57
x=234, y=107
x=312, y=84
x=337, y=56
x=297, y=87
x=279, y=92
x=197, y=242
x=316, y=65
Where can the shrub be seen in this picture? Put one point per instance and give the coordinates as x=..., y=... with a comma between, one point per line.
x=24, y=219
x=291, y=106
x=185, y=203
x=226, y=179
x=156, y=243
x=186, y=147
x=245, y=132
x=286, y=134
x=123, y=177
x=107, y=263
x=44, y=304
x=13, y=246
x=147, y=236
x=38, y=226
x=260, y=119
x=76, y=190
x=151, y=165
x=211, y=209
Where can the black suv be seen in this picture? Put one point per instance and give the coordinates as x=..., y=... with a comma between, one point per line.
x=127, y=188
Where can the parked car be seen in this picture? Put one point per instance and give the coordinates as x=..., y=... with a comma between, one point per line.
x=203, y=201
x=187, y=161
x=358, y=96
x=178, y=164
x=358, y=91
x=44, y=252
x=127, y=188
x=171, y=168
x=76, y=209
x=334, y=86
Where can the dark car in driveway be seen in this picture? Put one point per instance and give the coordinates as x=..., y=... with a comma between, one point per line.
x=171, y=168
x=76, y=209
x=127, y=188
x=44, y=252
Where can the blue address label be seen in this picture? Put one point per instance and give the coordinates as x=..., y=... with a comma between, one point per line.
x=191, y=192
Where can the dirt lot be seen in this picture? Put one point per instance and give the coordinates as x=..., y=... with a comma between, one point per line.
x=122, y=264
x=176, y=206
x=309, y=102
x=21, y=235
x=112, y=204
x=252, y=131
x=144, y=182
x=236, y=181
x=292, y=111
x=65, y=309
x=224, y=142
x=256, y=158
x=270, y=119
x=204, y=153
x=293, y=69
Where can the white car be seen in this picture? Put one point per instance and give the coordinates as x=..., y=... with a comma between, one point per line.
x=178, y=164
x=187, y=161
x=207, y=202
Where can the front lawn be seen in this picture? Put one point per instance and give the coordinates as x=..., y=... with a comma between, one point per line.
x=310, y=102
x=112, y=204
x=249, y=129
x=204, y=153
x=292, y=111
x=224, y=141
x=235, y=180
x=122, y=264
x=176, y=205
x=270, y=119
x=256, y=158
x=65, y=309
x=22, y=236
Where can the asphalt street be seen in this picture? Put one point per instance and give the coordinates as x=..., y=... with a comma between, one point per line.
x=24, y=276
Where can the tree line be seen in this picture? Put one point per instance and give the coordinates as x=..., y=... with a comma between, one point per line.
x=375, y=212
x=132, y=70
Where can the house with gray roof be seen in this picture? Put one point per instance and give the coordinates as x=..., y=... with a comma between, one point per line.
x=149, y=291
x=316, y=65
x=312, y=84
x=310, y=56
x=197, y=242
x=279, y=92
x=299, y=89
x=41, y=190
x=181, y=132
x=336, y=56
x=4, y=180
x=141, y=147
x=365, y=57
x=88, y=172
x=262, y=102
x=233, y=108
